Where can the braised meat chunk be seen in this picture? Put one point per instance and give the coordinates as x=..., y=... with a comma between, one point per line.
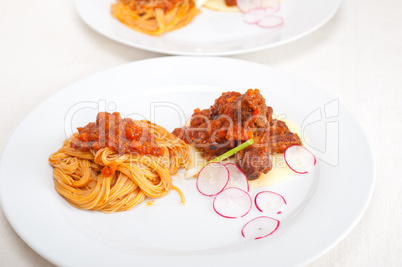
x=233, y=119
x=255, y=159
x=281, y=137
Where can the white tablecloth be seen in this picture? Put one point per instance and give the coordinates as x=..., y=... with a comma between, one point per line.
x=356, y=57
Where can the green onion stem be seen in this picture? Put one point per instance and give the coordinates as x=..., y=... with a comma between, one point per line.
x=194, y=171
x=232, y=151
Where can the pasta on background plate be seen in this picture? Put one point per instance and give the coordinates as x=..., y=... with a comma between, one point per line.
x=154, y=17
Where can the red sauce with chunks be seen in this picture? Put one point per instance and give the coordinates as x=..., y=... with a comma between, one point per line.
x=121, y=135
x=144, y=5
x=233, y=119
x=230, y=2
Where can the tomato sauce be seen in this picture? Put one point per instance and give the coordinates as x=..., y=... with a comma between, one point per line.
x=233, y=119
x=121, y=135
x=143, y=5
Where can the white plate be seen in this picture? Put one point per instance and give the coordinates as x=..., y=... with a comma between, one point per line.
x=322, y=206
x=212, y=32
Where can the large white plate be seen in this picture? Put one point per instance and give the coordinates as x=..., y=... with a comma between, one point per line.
x=322, y=206
x=213, y=32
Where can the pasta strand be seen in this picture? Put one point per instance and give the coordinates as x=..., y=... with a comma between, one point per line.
x=78, y=177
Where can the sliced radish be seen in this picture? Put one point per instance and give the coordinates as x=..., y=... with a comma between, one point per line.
x=299, y=159
x=212, y=179
x=260, y=227
x=270, y=6
x=270, y=21
x=232, y=203
x=254, y=15
x=271, y=202
x=236, y=177
x=246, y=5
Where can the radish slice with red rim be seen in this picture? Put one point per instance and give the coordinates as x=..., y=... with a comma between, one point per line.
x=246, y=5
x=212, y=179
x=236, y=177
x=232, y=203
x=299, y=159
x=260, y=227
x=254, y=15
x=270, y=6
x=270, y=21
x=271, y=202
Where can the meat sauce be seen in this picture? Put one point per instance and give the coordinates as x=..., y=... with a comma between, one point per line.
x=230, y=2
x=233, y=119
x=121, y=135
x=143, y=5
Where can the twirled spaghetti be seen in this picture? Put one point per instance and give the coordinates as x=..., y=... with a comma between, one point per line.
x=154, y=17
x=115, y=178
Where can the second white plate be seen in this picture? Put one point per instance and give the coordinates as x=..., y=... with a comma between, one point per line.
x=213, y=32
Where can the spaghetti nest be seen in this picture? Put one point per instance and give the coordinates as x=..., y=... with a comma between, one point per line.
x=80, y=178
x=154, y=17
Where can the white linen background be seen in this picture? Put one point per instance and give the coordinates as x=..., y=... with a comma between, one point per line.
x=356, y=57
